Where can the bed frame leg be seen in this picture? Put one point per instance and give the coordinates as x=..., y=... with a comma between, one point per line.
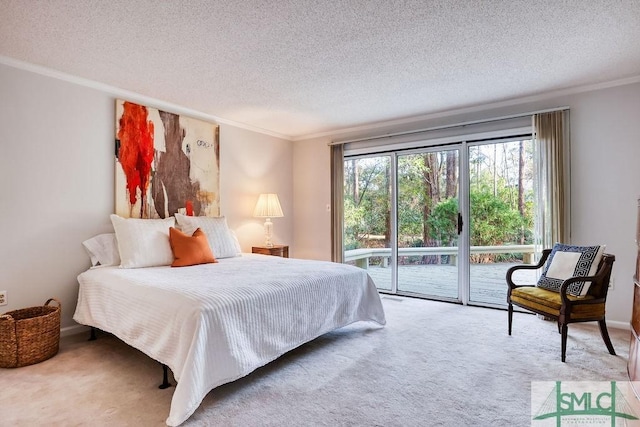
x=165, y=377
x=93, y=336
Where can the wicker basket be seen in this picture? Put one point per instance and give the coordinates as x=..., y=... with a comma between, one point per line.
x=29, y=335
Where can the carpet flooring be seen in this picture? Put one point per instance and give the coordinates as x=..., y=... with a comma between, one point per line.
x=433, y=364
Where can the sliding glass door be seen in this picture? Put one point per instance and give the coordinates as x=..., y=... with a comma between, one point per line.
x=405, y=216
x=501, y=210
x=367, y=216
x=401, y=221
x=427, y=225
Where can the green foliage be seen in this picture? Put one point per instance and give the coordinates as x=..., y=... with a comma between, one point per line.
x=354, y=224
x=493, y=222
x=494, y=178
x=366, y=201
x=411, y=199
x=443, y=222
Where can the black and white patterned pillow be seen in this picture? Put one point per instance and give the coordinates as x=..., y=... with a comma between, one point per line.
x=567, y=261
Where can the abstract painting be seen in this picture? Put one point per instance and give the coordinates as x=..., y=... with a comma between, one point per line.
x=165, y=164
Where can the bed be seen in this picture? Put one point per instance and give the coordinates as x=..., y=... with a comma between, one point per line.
x=214, y=323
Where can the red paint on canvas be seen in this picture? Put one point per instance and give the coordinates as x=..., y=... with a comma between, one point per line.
x=189, y=208
x=136, y=151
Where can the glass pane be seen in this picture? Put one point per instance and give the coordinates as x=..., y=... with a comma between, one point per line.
x=501, y=203
x=367, y=216
x=427, y=224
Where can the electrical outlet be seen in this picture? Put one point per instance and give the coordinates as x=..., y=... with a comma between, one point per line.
x=3, y=298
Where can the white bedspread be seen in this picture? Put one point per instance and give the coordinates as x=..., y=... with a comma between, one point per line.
x=215, y=323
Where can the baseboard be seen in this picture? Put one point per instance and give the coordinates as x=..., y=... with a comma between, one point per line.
x=618, y=325
x=73, y=330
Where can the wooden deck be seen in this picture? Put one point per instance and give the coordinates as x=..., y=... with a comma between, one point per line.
x=441, y=281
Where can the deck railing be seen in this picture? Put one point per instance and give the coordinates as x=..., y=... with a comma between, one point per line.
x=361, y=256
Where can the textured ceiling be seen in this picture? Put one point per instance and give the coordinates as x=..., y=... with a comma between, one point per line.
x=302, y=67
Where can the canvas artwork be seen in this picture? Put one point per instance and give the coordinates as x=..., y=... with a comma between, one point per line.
x=165, y=163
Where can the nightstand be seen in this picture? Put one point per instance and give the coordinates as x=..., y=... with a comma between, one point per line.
x=276, y=250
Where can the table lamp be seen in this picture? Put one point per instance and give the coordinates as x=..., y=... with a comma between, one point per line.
x=268, y=207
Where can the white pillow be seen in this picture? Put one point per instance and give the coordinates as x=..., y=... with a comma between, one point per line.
x=143, y=242
x=221, y=239
x=236, y=242
x=103, y=249
x=567, y=261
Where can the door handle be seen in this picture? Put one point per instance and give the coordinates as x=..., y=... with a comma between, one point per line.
x=459, y=223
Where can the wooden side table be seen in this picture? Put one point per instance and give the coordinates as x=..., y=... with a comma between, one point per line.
x=276, y=250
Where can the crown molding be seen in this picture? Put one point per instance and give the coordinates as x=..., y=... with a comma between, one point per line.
x=132, y=96
x=336, y=133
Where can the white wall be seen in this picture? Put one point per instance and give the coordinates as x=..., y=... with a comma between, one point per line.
x=605, y=178
x=57, y=183
x=251, y=164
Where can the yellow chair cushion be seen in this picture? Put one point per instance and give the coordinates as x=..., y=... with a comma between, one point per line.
x=549, y=302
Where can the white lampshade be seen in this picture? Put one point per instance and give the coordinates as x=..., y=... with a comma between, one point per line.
x=268, y=206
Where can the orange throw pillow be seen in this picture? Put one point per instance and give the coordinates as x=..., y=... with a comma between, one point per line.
x=190, y=250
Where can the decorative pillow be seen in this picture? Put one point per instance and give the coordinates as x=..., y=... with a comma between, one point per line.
x=103, y=249
x=567, y=261
x=143, y=242
x=190, y=250
x=220, y=238
x=236, y=242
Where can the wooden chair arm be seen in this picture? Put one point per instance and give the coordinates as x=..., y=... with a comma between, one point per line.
x=601, y=277
x=510, y=271
x=569, y=281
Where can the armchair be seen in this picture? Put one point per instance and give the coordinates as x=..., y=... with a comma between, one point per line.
x=562, y=306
